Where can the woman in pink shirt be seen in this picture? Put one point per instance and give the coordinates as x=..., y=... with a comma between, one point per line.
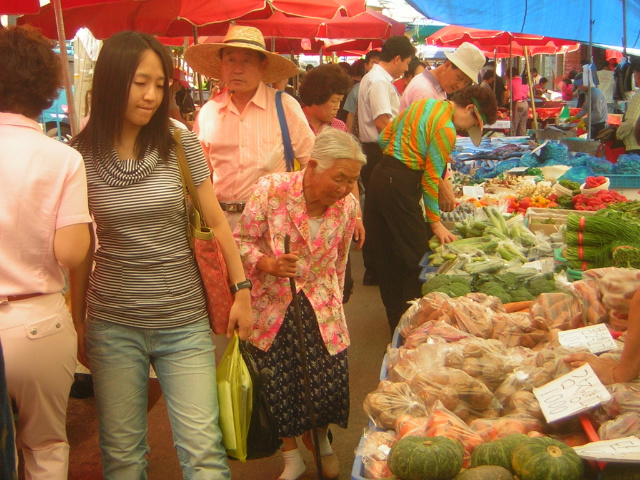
x=44, y=230
x=520, y=113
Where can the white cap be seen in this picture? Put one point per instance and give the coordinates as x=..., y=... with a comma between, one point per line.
x=469, y=59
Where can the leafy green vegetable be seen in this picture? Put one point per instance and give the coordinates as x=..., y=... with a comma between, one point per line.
x=570, y=185
x=452, y=285
x=495, y=289
x=541, y=284
x=626, y=256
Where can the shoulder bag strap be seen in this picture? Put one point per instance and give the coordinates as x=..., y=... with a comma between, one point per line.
x=196, y=225
x=185, y=173
x=286, y=139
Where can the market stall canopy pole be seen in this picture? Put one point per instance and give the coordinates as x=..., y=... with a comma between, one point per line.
x=567, y=20
x=527, y=60
x=71, y=105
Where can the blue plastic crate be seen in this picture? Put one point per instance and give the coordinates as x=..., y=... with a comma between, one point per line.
x=424, y=261
x=357, y=472
x=624, y=181
x=425, y=272
x=396, y=342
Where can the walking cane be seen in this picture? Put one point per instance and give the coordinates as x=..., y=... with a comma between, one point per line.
x=303, y=352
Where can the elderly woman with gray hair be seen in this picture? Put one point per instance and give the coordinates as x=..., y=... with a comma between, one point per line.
x=313, y=207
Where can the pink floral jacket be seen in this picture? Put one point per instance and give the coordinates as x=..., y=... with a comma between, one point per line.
x=277, y=208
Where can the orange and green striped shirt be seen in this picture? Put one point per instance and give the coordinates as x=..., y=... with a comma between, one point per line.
x=422, y=137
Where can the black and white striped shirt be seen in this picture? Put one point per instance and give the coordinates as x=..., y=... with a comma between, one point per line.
x=145, y=274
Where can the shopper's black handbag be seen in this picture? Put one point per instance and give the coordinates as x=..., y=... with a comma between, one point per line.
x=263, y=440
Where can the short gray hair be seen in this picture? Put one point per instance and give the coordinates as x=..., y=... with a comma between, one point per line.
x=332, y=144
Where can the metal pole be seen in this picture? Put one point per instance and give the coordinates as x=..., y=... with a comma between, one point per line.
x=530, y=82
x=73, y=118
x=511, y=112
x=198, y=79
x=589, y=70
x=495, y=72
x=624, y=27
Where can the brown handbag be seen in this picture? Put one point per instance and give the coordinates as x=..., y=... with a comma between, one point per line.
x=213, y=269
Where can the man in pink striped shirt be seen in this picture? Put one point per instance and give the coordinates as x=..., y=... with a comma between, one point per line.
x=239, y=128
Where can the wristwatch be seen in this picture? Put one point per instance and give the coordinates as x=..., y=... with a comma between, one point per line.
x=239, y=286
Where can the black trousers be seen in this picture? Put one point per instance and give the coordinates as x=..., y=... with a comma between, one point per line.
x=397, y=232
x=373, y=153
x=596, y=128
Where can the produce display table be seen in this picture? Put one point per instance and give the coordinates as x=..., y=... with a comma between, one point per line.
x=502, y=126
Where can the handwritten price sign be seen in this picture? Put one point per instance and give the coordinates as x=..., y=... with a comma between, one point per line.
x=570, y=394
x=471, y=191
x=619, y=450
x=596, y=338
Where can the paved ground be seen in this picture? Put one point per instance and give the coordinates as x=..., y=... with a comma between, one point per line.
x=369, y=337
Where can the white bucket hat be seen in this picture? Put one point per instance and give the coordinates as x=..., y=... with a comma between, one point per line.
x=204, y=58
x=469, y=59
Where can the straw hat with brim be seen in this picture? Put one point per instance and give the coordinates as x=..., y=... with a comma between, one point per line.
x=469, y=59
x=205, y=57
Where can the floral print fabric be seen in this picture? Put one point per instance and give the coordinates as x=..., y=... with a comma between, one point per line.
x=277, y=208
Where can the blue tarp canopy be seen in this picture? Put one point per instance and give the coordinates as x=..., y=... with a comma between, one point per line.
x=567, y=19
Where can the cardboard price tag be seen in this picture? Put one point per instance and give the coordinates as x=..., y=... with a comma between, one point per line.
x=570, y=394
x=471, y=191
x=621, y=450
x=596, y=338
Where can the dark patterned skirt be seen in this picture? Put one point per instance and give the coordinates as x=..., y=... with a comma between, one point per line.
x=328, y=376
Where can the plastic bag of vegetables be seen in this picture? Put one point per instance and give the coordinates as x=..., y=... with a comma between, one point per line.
x=375, y=450
x=429, y=307
x=622, y=426
x=390, y=401
x=491, y=429
x=432, y=330
x=446, y=423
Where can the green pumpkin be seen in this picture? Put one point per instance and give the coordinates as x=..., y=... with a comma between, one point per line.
x=426, y=458
x=543, y=458
x=485, y=472
x=621, y=471
x=513, y=440
x=498, y=452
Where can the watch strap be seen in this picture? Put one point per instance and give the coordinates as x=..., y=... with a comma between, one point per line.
x=240, y=285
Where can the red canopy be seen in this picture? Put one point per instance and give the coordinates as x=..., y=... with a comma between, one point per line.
x=309, y=46
x=30, y=7
x=502, y=43
x=19, y=7
x=369, y=26
x=177, y=17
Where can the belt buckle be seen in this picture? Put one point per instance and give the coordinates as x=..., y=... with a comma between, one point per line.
x=233, y=207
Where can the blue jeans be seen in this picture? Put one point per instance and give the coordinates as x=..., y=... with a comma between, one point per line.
x=184, y=361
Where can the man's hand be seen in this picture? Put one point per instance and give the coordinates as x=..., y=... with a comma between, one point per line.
x=440, y=231
x=446, y=198
x=604, y=368
x=358, y=234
